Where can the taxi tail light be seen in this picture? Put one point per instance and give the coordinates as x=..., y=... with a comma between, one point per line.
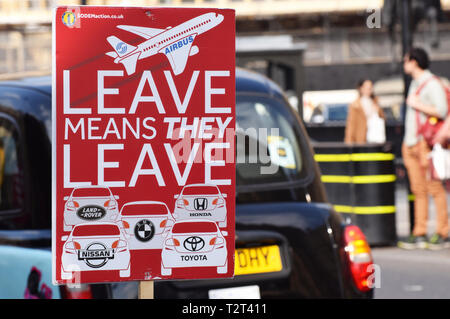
x=163, y=223
x=72, y=205
x=119, y=244
x=172, y=242
x=216, y=241
x=218, y=201
x=359, y=257
x=125, y=224
x=80, y=292
x=182, y=202
x=110, y=204
x=72, y=245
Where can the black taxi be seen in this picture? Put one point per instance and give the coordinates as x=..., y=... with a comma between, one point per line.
x=290, y=243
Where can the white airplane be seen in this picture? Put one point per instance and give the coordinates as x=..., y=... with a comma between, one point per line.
x=175, y=43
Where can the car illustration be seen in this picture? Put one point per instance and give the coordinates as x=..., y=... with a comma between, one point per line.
x=145, y=223
x=194, y=243
x=95, y=247
x=202, y=202
x=88, y=204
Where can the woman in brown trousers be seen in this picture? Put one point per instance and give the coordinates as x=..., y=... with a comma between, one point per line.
x=359, y=113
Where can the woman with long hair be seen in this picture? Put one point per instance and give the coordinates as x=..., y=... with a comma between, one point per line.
x=365, y=119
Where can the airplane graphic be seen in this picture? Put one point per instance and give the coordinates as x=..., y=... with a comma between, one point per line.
x=176, y=43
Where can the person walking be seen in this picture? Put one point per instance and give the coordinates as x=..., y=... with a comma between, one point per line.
x=365, y=119
x=426, y=97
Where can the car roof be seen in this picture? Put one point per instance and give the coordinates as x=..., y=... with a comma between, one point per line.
x=250, y=81
x=145, y=202
x=246, y=81
x=40, y=83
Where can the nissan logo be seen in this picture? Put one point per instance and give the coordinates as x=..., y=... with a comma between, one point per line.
x=194, y=243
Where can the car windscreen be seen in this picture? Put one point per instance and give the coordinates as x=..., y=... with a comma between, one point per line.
x=200, y=190
x=337, y=112
x=96, y=230
x=268, y=145
x=91, y=192
x=144, y=209
x=194, y=227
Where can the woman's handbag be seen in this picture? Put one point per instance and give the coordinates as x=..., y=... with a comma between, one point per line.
x=440, y=162
x=376, y=132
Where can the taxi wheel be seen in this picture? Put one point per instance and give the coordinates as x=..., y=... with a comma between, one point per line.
x=66, y=275
x=125, y=273
x=222, y=269
x=166, y=271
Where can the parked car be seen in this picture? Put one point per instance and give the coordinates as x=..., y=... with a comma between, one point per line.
x=25, y=195
x=145, y=223
x=87, y=204
x=198, y=201
x=95, y=247
x=290, y=243
x=194, y=243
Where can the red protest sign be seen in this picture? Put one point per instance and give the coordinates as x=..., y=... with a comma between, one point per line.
x=143, y=144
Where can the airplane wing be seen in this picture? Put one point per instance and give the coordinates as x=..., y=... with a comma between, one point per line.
x=146, y=33
x=178, y=52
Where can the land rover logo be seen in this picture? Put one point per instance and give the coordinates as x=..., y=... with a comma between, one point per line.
x=144, y=230
x=91, y=212
x=200, y=203
x=96, y=255
x=194, y=243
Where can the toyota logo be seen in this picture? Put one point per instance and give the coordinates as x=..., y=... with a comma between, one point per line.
x=194, y=243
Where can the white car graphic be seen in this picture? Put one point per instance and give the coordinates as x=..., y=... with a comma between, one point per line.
x=95, y=247
x=90, y=204
x=146, y=223
x=202, y=202
x=194, y=243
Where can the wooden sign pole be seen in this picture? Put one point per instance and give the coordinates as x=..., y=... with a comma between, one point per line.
x=146, y=290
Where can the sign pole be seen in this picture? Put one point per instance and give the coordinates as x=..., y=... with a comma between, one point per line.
x=146, y=290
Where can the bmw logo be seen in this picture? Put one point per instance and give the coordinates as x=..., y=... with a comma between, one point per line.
x=121, y=47
x=144, y=230
x=68, y=18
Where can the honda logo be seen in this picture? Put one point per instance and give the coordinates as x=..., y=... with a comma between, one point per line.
x=200, y=203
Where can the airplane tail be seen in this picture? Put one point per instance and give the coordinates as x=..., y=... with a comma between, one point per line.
x=121, y=48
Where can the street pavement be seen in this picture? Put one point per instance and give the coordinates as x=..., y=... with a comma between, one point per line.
x=411, y=273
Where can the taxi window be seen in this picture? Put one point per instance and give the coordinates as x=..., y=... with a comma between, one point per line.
x=91, y=192
x=144, y=209
x=200, y=190
x=96, y=230
x=194, y=227
x=268, y=145
x=11, y=167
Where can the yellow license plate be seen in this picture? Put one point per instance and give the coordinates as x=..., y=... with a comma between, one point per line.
x=257, y=260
